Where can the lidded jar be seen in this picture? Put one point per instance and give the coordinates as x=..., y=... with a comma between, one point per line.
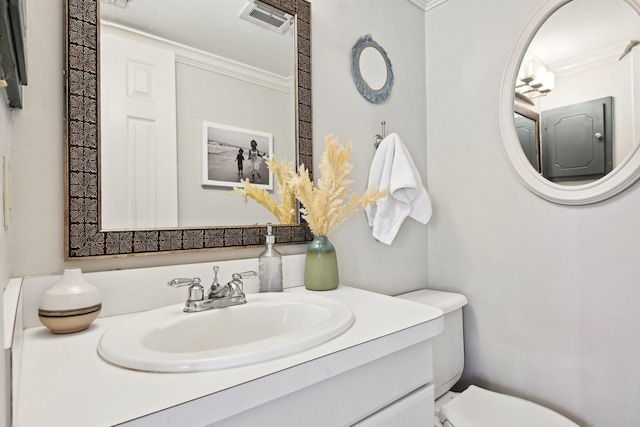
x=71, y=304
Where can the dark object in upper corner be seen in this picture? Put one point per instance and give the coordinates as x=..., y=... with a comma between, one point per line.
x=13, y=66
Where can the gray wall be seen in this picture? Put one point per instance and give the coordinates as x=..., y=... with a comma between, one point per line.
x=206, y=96
x=553, y=290
x=6, y=127
x=38, y=155
x=398, y=27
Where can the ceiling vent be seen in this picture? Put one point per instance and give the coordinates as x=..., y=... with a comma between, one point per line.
x=267, y=16
x=120, y=3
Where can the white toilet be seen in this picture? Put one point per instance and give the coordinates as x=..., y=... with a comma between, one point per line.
x=474, y=407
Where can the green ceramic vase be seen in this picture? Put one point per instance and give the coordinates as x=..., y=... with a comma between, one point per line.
x=321, y=265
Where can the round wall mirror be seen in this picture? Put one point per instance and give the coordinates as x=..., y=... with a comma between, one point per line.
x=567, y=101
x=371, y=70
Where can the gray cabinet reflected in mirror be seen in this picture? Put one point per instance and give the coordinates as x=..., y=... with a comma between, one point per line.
x=527, y=124
x=90, y=129
x=569, y=77
x=577, y=142
x=570, y=145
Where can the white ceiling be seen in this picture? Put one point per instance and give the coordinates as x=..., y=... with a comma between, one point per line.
x=213, y=26
x=583, y=27
x=576, y=29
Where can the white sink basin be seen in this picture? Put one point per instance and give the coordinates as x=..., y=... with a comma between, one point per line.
x=268, y=326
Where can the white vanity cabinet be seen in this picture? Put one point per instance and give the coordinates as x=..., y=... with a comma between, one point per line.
x=336, y=390
x=385, y=357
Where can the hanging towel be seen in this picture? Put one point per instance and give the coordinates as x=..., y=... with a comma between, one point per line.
x=393, y=170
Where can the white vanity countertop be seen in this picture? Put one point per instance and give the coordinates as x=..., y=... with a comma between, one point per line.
x=64, y=382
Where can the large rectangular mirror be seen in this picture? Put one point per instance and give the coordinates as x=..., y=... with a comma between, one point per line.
x=139, y=86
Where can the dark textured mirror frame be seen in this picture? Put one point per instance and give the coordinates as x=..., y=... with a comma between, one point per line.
x=84, y=237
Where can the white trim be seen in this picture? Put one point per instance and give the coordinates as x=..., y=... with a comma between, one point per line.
x=590, y=60
x=207, y=61
x=427, y=5
x=625, y=174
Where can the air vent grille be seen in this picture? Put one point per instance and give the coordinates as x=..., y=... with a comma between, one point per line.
x=266, y=16
x=120, y=3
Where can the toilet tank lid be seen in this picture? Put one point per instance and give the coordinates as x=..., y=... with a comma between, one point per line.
x=477, y=407
x=445, y=301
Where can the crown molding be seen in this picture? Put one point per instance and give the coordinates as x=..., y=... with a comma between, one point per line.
x=206, y=61
x=590, y=60
x=427, y=5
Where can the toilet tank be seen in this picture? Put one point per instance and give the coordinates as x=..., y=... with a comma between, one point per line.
x=448, y=347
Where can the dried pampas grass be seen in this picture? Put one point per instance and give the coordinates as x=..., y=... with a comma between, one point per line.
x=329, y=203
x=284, y=211
x=324, y=206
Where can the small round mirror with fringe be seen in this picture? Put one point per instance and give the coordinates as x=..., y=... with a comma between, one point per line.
x=371, y=70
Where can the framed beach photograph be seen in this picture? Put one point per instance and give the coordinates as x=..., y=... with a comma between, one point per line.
x=232, y=154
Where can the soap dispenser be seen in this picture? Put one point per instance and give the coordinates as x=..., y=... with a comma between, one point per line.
x=270, y=265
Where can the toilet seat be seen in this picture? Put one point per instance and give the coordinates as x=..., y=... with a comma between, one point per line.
x=477, y=407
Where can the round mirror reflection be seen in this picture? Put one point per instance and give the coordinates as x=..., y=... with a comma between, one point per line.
x=574, y=92
x=373, y=68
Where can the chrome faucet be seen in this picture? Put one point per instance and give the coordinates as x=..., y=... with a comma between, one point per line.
x=219, y=296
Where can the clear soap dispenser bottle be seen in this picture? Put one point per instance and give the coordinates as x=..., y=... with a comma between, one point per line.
x=270, y=265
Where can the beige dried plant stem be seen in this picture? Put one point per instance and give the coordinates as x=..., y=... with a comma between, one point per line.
x=329, y=203
x=284, y=211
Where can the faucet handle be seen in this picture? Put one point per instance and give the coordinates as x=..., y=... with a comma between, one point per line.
x=236, y=287
x=196, y=291
x=244, y=275
x=182, y=281
x=216, y=290
x=215, y=277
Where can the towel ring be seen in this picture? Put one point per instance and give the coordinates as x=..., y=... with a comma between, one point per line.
x=378, y=138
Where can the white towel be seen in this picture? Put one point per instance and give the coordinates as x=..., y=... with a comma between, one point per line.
x=392, y=169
